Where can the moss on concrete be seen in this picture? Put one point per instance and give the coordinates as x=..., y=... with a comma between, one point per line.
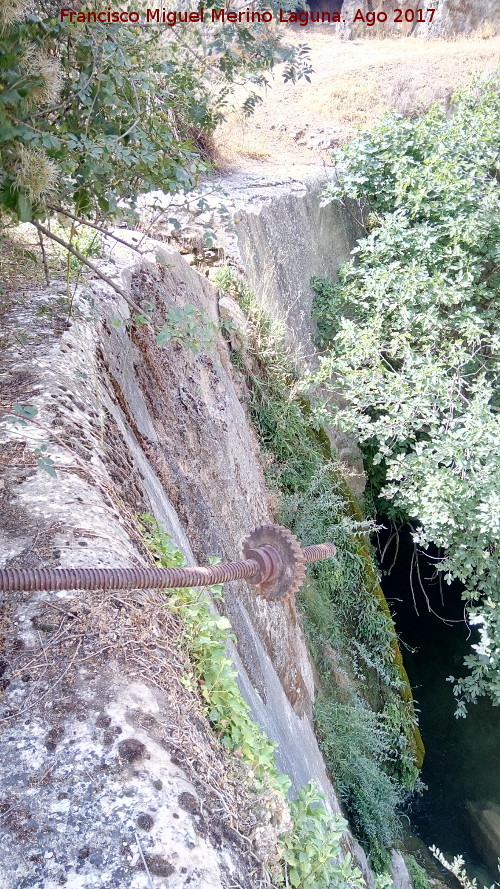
x=355, y=667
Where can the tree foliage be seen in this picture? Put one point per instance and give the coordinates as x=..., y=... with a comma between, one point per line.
x=92, y=114
x=413, y=334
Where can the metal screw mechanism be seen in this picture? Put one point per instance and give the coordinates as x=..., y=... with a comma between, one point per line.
x=273, y=563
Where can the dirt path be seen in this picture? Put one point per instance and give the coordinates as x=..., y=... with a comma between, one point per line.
x=353, y=83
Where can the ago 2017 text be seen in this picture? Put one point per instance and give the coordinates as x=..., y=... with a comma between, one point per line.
x=399, y=15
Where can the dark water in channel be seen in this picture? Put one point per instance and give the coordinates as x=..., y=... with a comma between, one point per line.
x=462, y=762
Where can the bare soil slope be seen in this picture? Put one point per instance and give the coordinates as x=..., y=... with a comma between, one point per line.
x=354, y=82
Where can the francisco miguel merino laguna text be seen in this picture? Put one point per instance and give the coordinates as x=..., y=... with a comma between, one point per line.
x=173, y=17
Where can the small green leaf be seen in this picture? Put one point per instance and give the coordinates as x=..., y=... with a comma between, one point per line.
x=164, y=336
x=25, y=410
x=47, y=464
x=223, y=623
x=24, y=208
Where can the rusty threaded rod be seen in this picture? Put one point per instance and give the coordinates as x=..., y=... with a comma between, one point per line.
x=30, y=579
x=55, y=579
x=318, y=552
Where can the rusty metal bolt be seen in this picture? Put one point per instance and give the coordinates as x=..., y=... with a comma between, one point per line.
x=273, y=563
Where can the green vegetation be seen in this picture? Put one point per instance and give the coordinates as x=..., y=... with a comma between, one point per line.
x=205, y=634
x=310, y=852
x=355, y=745
x=456, y=867
x=188, y=326
x=417, y=873
x=364, y=714
x=93, y=114
x=25, y=415
x=73, y=124
x=413, y=339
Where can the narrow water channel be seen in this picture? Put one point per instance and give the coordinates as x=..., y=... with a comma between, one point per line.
x=460, y=810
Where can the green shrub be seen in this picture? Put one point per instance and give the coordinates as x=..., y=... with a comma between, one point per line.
x=415, y=345
x=312, y=852
x=188, y=326
x=326, y=310
x=94, y=114
x=356, y=747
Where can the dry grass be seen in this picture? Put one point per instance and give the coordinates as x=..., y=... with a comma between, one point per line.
x=21, y=264
x=353, y=84
x=23, y=270
x=250, y=146
x=404, y=75
x=134, y=635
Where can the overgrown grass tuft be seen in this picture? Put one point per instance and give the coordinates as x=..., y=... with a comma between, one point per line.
x=365, y=720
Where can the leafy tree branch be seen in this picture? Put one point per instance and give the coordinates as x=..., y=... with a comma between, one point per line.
x=411, y=333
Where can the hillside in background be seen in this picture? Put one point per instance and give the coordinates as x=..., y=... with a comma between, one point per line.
x=354, y=83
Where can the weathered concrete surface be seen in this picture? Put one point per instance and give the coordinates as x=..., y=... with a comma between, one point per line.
x=103, y=748
x=92, y=793
x=285, y=237
x=275, y=231
x=94, y=713
x=399, y=872
x=206, y=456
x=485, y=817
x=451, y=18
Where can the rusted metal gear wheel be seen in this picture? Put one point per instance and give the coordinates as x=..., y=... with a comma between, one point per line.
x=280, y=558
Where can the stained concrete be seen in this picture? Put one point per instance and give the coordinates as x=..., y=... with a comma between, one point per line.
x=88, y=737
x=274, y=228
